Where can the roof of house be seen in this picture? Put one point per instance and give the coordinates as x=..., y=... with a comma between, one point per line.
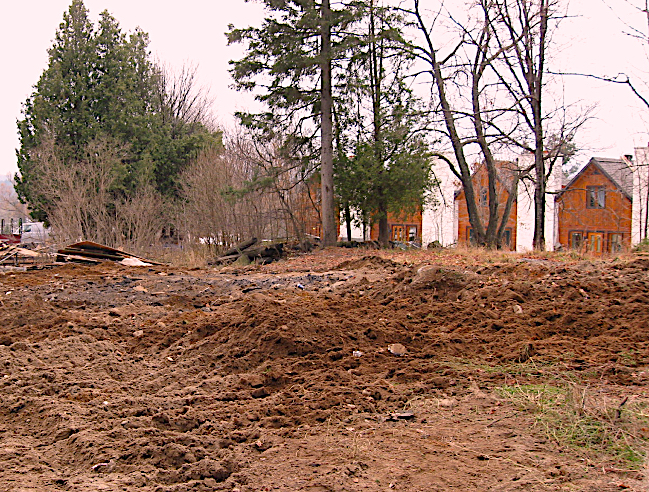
x=504, y=173
x=616, y=170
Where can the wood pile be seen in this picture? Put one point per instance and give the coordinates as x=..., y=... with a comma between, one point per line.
x=10, y=254
x=249, y=251
x=89, y=252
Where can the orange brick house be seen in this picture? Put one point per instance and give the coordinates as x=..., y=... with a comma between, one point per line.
x=480, y=183
x=591, y=213
x=594, y=209
x=402, y=227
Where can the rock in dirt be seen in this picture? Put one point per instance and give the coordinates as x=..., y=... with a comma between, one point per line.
x=397, y=349
x=401, y=416
x=259, y=393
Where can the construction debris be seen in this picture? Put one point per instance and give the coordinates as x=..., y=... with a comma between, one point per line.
x=11, y=254
x=89, y=252
x=250, y=251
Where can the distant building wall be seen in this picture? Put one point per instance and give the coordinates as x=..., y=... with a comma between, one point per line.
x=402, y=227
x=640, y=208
x=525, y=209
x=481, y=185
x=439, y=220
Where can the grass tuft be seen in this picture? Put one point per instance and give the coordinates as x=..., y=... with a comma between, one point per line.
x=602, y=428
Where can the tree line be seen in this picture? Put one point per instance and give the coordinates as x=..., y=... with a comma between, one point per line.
x=360, y=97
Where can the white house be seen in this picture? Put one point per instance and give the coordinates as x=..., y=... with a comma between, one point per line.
x=439, y=217
x=640, y=207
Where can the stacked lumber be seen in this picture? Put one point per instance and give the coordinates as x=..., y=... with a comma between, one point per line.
x=10, y=254
x=89, y=252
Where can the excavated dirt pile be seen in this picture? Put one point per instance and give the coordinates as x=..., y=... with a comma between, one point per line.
x=330, y=371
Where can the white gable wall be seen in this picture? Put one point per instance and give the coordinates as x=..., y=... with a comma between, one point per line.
x=357, y=231
x=525, y=207
x=439, y=219
x=640, y=169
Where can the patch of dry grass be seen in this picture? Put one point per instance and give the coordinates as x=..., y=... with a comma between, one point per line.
x=607, y=429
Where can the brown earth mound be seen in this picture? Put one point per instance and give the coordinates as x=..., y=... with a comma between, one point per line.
x=285, y=377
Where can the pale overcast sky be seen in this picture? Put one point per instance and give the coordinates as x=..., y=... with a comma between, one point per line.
x=193, y=31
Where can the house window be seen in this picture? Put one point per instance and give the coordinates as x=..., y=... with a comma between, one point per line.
x=403, y=232
x=615, y=243
x=398, y=233
x=471, y=236
x=595, y=197
x=595, y=240
x=483, y=197
x=507, y=238
x=576, y=240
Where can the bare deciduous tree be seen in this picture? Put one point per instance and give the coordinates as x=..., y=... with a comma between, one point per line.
x=248, y=188
x=491, y=86
x=82, y=204
x=10, y=205
x=182, y=101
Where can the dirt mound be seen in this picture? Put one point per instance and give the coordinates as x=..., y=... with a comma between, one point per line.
x=370, y=262
x=281, y=377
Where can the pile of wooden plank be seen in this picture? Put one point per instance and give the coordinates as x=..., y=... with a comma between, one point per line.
x=13, y=255
x=89, y=252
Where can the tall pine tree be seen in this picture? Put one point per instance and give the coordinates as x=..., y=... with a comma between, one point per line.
x=290, y=62
x=382, y=125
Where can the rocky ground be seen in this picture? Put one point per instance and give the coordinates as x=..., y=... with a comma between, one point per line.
x=339, y=370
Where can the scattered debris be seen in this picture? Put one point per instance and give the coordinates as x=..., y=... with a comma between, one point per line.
x=99, y=466
x=89, y=252
x=357, y=353
x=401, y=416
x=517, y=309
x=15, y=255
x=249, y=251
x=134, y=262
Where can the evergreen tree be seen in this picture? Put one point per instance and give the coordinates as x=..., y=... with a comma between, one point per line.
x=60, y=104
x=101, y=85
x=289, y=61
x=384, y=122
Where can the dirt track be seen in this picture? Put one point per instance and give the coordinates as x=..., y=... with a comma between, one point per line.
x=161, y=379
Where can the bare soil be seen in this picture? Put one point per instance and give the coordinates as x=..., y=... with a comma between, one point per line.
x=286, y=377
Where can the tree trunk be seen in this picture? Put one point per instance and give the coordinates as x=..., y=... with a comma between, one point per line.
x=348, y=221
x=384, y=231
x=329, y=232
x=464, y=174
x=538, y=241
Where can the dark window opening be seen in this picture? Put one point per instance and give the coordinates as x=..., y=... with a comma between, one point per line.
x=615, y=243
x=483, y=197
x=576, y=240
x=595, y=197
x=507, y=238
